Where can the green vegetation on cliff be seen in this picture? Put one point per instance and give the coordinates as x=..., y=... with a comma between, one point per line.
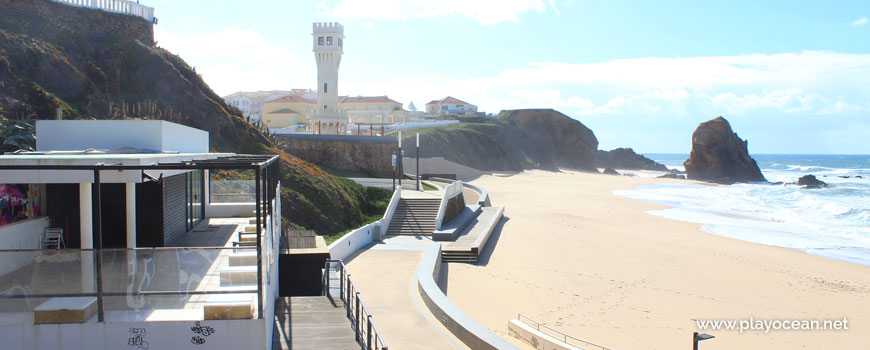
x=99, y=75
x=517, y=140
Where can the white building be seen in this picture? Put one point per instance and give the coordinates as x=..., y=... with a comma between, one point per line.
x=328, y=43
x=251, y=102
x=148, y=260
x=450, y=106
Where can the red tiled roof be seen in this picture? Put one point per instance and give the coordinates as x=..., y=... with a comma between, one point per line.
x=366, y=99
x=449, y=101
x=283, y=111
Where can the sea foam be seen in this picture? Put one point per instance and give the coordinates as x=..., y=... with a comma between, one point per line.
x=832, y=222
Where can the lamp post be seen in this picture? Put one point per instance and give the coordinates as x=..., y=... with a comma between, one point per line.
x=699, y=337
x=418, y=161
x=394, y=173
x=400, y=159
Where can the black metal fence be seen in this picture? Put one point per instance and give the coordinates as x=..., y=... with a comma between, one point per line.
x=367, y=334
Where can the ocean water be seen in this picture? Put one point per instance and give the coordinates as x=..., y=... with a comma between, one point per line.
x=832, y=222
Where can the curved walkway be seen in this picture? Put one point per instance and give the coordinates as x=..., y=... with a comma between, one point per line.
x=385, y=274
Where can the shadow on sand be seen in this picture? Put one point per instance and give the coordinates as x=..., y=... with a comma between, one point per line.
x=482, y=258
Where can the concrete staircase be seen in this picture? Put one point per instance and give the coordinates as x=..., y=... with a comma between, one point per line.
x=414, y=217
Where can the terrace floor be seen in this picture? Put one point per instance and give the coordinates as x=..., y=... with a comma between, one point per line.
x=125, y=272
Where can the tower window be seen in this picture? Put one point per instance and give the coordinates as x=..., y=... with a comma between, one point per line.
x=339, y=41
x=320, y=40
x=329, y=40
x=324, y=107
x=324, y=88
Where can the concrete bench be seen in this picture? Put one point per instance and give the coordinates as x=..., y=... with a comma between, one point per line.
x=247, y=237
x=236, y=275
x=243, y=258
x=65, y=310
x=229, y=306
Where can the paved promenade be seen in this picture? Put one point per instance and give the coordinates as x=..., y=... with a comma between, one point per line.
x=385, y=276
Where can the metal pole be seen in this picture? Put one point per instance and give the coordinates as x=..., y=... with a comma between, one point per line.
x=202, y=195
x=369, y=332
x=257, y=205
x=695, y=341
x=418, y=161
x=347, y=301
x=341, y=282
x=98, y=235
x=399, y=160
x=326, y=274
x=356, y=318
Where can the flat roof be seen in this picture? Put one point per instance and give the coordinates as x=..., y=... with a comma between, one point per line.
x=81, y=168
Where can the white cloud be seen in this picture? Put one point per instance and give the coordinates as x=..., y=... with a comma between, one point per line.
x=486, y=12
x=861, y=21
x=807, y=82
x=234, y=59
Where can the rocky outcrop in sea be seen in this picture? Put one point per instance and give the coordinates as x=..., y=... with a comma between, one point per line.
x=720, y=156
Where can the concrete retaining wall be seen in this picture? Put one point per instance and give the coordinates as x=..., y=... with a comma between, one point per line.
x=346, y=153
x=473, y=334
x=351, y=242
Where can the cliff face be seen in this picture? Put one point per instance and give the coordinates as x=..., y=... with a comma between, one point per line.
x=94, y=70
x=517, y=140
x=720, y=156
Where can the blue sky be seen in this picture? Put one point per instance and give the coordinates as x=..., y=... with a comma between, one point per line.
x=791, y=77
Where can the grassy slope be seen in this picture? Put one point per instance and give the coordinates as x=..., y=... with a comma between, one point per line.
x=44, y=66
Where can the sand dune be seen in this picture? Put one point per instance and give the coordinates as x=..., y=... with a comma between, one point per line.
x=596, y=266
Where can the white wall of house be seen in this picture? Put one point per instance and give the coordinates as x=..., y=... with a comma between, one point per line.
x=20, y=235
x=228, y=334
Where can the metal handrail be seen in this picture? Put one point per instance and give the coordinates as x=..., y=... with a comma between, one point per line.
x=366, y=333
x=565, y=337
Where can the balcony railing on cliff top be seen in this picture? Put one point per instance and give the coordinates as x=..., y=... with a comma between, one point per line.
x=132, y=8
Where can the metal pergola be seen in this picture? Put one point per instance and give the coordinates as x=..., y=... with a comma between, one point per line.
x=267, y=174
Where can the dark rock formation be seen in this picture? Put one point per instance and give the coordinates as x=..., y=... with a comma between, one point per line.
x=810, y=181
x=518, y=140
x=720, y=156
x=611, y=171
x=672, y=176
x=625, y=158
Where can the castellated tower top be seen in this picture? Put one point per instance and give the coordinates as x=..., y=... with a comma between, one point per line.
x=329, y=28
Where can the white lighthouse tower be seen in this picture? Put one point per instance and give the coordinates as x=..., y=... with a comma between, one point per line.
x=328, y=48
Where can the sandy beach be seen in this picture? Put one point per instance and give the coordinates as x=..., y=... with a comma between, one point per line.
x=592, y=264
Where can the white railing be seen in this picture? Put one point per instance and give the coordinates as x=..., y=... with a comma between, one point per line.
x=556, y=334
x=128, y=7
x=450, y=191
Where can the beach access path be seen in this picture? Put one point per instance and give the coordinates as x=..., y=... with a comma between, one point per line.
x=384, y=274
x=599, y=267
